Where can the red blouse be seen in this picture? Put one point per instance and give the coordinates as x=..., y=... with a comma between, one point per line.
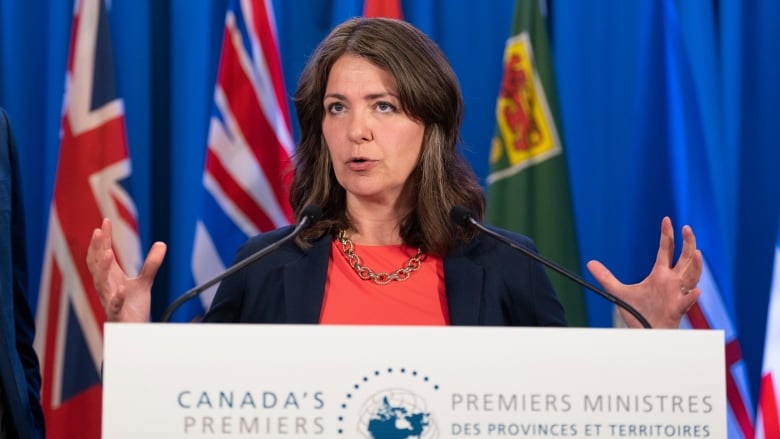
x=419, y=300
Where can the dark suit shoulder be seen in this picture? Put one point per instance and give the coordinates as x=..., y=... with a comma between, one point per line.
x=516, y=288
x=286, y=251
x=484, y=247
x=259, y=293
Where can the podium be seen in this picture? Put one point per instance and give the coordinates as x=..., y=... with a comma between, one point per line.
x=305, y=381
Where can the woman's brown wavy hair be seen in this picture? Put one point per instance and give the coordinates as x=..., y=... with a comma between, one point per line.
x=428, y=92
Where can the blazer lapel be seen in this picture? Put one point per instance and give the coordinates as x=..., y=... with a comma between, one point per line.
x=304, y=283
x=464, y=280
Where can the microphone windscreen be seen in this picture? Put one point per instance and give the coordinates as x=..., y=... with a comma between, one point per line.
x=461, y=216
x=312, y=212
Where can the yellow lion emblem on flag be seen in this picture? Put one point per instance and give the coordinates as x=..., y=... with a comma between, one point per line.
x=526, y=129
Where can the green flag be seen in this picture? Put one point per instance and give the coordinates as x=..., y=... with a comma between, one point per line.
x=528, y=186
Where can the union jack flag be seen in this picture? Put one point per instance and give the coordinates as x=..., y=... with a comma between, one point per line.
x=91, y=183
x=245, y=178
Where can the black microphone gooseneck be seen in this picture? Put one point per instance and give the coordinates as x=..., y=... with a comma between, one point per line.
x=464, y=217
x=309, y=215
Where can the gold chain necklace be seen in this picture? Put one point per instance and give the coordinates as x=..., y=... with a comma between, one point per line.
x=381, y=278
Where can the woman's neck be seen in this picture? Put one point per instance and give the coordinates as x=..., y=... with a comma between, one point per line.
x=374, y=224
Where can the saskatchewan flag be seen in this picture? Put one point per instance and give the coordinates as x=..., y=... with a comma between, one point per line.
x=528, y=186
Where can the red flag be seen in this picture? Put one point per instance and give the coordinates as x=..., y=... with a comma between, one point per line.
x=383, y=8
x=91, y=183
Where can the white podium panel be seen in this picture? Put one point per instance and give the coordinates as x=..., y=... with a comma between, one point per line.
x=308, y=381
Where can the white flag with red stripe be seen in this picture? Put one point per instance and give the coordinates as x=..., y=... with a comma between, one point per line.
x=246, y=174
x=93, y=172
x=768, y=422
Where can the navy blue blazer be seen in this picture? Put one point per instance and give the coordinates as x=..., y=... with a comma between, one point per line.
x=20, y=378
x=487, y=282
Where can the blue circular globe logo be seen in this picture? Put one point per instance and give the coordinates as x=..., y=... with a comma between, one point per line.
x=396, y=414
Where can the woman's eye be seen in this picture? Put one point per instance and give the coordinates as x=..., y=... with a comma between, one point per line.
x=385, y=107
x=335, y=107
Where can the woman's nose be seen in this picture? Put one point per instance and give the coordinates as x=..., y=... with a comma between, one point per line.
x=360, y=129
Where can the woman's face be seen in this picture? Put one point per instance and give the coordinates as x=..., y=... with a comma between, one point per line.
x=373, y=145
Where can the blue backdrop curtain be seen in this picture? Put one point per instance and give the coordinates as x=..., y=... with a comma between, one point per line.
x=167, y=52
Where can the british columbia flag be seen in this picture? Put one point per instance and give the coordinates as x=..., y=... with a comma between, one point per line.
x=246, y=174
x=91, y=183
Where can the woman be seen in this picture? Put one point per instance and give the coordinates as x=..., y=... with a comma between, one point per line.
x=380, y=111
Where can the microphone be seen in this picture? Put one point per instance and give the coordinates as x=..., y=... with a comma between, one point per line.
x=464, y=217
x=309, y=215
